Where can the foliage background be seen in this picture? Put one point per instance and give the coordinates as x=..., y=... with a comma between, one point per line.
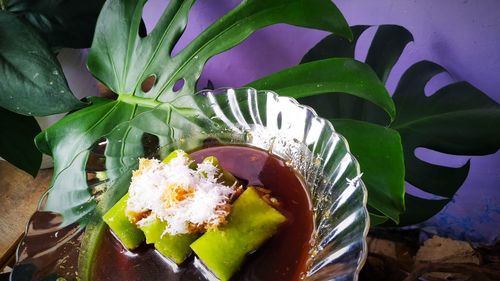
x=450, y=33
x=462, y=36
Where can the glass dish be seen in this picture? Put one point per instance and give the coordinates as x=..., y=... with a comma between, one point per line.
x=260, y=119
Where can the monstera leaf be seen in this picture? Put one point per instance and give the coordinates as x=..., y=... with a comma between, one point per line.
x=457, y=119
x=156, y=94
x=123, y=60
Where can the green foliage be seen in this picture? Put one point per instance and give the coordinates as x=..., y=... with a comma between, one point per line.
x=61, y=23
x=21, y=152
x=32, y=79
x=457, y=119
x=33, y=82
x=123, y=60
x=330, y=75
x=377, y=149
x=383, y=132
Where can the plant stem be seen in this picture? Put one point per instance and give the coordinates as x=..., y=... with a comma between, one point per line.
x=138, y=100
x=2, y=5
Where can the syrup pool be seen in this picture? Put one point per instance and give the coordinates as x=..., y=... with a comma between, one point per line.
x=283, y=257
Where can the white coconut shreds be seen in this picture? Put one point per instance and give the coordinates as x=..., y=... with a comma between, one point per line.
x=188, y=200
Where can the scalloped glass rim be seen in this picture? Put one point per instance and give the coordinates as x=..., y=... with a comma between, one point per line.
x=310, y=144
x=307, y=142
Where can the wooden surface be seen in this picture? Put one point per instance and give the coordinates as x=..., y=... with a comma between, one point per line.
x=19, y=195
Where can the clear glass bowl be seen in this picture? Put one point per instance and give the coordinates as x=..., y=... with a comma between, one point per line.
x=261, y=119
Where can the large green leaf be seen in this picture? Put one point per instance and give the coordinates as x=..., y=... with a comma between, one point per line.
x=457, y=119
x=122, y=60
x=380, y=155
x=329, y=75
x=386, y=48
x=32, y=80
x=387, y=45
x=435, y=120
x=357, y=79
x=16, y=144
x=63, y=23
x=69, y=141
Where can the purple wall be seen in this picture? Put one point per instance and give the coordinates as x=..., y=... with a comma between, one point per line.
x=463, y=36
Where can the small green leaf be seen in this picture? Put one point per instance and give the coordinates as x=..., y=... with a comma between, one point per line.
x=380, y=155
x=69, y=23
x=33, y=82
x=330, y=75
x=386, y=48
x=16, y=143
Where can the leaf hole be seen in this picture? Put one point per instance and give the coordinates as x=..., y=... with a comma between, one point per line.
x=96, y=159
x=279, y=120
x=364, y=42
x=96, y=167
x=150, y=144
x=204, y=84
x=152, y=12
x=179, y=84
x=148, y=83
x=105, y=92
x=439, y=158
x=417, y=192
x=437, y=82
x=202, y=15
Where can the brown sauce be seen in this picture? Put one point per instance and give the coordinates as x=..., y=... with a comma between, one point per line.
x=282, y=258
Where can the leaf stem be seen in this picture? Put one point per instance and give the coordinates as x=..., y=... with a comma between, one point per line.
x=91, y=240
x=2, y=5
x=138, y=100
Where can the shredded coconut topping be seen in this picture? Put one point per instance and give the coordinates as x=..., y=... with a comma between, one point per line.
x=188, y=200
